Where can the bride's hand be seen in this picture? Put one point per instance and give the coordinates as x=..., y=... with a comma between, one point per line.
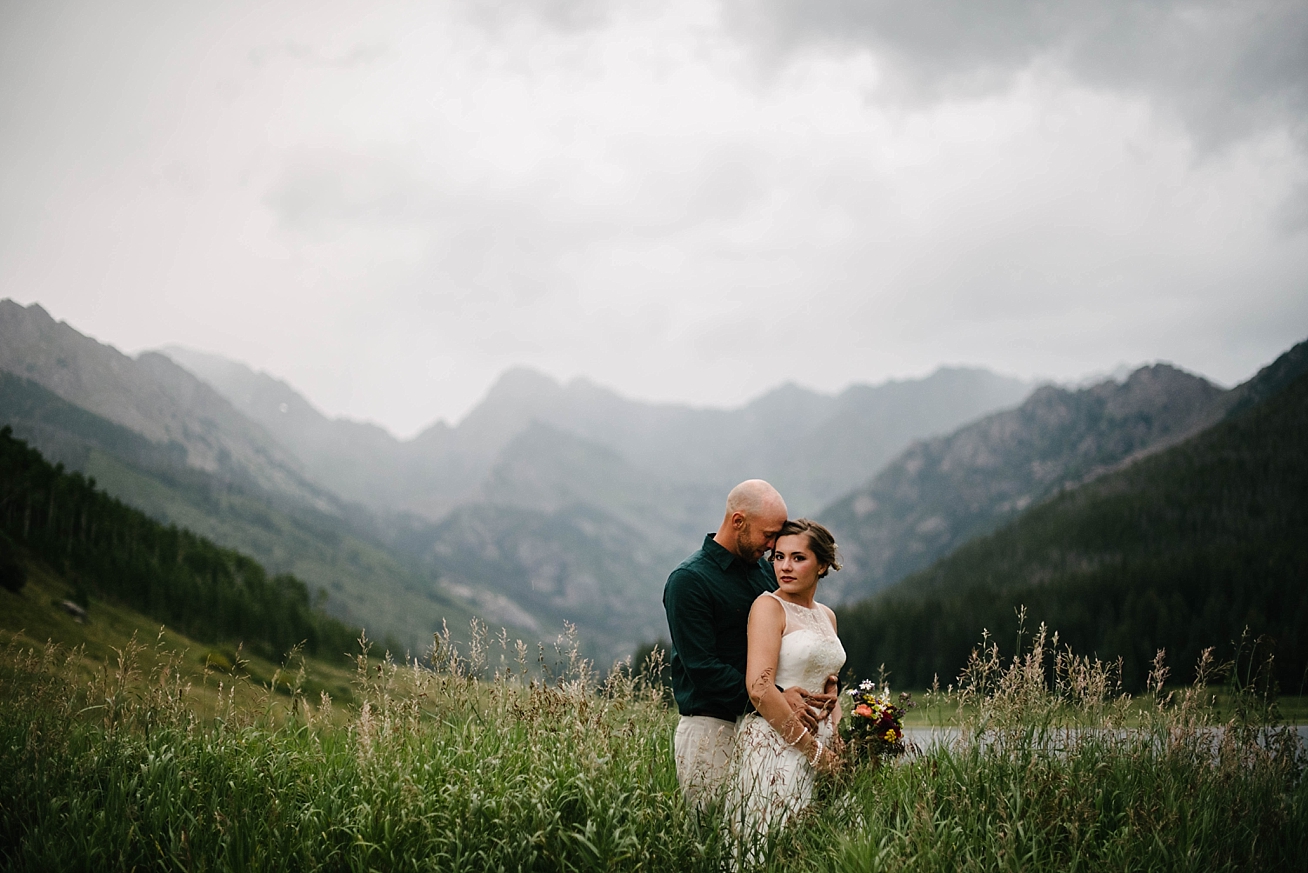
x=821, y=704
x=832, y=758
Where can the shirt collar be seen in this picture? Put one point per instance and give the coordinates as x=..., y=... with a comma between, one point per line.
x=714, y=551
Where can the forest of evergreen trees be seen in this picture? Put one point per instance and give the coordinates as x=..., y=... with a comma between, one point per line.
x=1180, y=551
x=105, y=548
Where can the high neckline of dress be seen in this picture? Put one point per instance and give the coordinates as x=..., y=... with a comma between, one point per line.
x=786, y=602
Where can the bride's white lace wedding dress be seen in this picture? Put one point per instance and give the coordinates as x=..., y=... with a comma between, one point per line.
x=774, y=779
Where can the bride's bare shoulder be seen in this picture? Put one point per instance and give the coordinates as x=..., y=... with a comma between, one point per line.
x=767, y=606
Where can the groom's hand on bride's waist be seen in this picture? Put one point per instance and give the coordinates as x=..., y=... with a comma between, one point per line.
x=823, y=703
x=798, y=701
x=811, y=707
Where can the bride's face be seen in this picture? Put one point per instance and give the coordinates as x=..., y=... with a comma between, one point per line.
x=795, y=565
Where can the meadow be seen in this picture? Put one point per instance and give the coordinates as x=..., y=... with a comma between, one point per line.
x=500, y=758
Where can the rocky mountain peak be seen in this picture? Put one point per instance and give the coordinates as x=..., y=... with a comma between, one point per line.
x=942, y=491
x=519, y=384
x=152, y=396
x=1161, y=389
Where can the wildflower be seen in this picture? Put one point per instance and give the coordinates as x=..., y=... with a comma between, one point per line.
x=875, y=728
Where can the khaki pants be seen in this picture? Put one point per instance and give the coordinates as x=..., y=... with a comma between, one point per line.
x=703, y=746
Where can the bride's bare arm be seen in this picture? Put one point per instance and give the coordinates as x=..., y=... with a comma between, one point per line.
x=767, y=622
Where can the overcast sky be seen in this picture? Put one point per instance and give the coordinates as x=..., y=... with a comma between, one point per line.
x=388, y=204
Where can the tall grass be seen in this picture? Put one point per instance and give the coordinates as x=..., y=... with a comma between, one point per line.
x=486, y=759
x=1055, y=769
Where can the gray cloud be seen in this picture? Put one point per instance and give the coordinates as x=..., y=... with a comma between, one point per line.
x=1226, y=69
x=389, y=204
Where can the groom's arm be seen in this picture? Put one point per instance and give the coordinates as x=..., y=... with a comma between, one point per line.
x=692, y=623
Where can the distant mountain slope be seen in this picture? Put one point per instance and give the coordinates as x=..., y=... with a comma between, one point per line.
x=868, y=425
x=1270, y=380
x=942, y=492
x=546, y=469
x=106, y=547
x=355, y=460
x=366, y=584
x=566, y=530
x=153, y=397
x=67, y=433
x=574, y=564
x=397, y=578
x=1180, y=550
x=812, y=446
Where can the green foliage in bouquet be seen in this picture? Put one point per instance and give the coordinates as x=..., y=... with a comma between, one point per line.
x=875, y=727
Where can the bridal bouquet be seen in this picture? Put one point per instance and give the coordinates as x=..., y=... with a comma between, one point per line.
x=875, y=728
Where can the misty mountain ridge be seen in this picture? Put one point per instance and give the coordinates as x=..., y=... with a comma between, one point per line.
x=944, y=491
x=816, y=451
x=1190, y=547
x=366, y=583
x=558, y=502
x=630, y=487
x=535, y=463
x=152, y=396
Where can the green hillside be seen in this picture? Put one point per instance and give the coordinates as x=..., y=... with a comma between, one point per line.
x=1180, y=551
x=33, y=616
x=364, y=584
x=105, y=548
x=942, y=492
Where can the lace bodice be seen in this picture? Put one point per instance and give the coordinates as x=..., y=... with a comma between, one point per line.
x=810, y=649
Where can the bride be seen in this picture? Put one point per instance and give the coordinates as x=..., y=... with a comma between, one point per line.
x=792, y=641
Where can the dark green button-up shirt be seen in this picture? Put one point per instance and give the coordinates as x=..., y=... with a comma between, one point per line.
x=707, y=600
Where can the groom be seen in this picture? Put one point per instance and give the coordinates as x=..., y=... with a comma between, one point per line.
x=707, y=600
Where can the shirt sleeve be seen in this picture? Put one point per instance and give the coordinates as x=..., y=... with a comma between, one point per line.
x=691, y=622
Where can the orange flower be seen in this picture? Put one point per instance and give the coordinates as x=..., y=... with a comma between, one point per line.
x=864, y=710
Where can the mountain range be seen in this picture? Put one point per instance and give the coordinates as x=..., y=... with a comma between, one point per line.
x=547, y=503
x=1191, y=547
x=152, y=396
x=946, y=490
x=551, y=503
x=812, y=446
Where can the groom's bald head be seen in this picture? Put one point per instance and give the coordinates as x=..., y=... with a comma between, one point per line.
x=754, y=497
x=755, y=514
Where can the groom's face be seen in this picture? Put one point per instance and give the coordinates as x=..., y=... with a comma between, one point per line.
x=758, y=534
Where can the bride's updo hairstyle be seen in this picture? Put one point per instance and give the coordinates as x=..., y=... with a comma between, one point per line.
x=820, y=542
